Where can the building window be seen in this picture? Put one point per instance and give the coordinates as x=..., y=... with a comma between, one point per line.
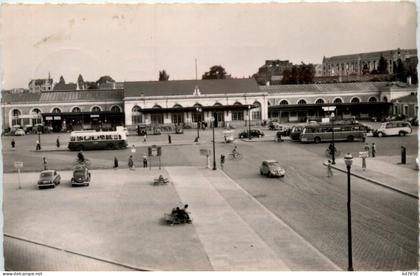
x=256, y=112
x=157, y=119
x=355, y=100
x=177, y=118
x=338, y=100
x=76, y=109
x=136, y=115
x=372, y=99
x=319, y=101
x=197, y=117
x=284, y=102
x=238, y=115
x=302, y=101
x=115, y=108
x=56, y=110
x=405, y=109
x=96, y=109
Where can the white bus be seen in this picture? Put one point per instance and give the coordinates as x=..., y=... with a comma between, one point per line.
x=90, y=139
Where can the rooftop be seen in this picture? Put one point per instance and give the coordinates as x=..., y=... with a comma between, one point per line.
x=325, y=87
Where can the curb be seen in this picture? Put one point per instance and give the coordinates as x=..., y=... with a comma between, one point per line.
x=375, y=182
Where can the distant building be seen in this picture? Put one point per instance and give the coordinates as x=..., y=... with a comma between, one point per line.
x=318, y=70
x=363, y=63
x=65, y=86
x=40, y=85
x=272, y=71
x=15, y=91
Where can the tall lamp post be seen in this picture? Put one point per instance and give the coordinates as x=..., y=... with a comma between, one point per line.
x=249, y=122
x=348, y=159
x=214, y=145
x=332, y=128
x=198, y=109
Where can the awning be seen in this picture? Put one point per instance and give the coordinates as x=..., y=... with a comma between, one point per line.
x=193, y=109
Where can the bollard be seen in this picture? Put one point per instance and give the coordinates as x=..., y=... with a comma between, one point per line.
x=403, y=155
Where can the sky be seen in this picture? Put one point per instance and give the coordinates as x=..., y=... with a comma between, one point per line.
x=135, y=42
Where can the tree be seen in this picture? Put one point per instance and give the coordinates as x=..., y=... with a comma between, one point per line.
x=80, y=82
x=299, y=74
x=216, y=72
x=382, y=66
x=91, y=85
x=163, y=76
x=62, y=81
x=399, y=71
x=104, y=79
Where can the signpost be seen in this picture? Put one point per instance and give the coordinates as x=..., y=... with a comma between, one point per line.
x=19, y=165
x=154, y=151
x=206, y=152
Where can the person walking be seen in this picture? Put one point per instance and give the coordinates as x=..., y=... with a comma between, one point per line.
x=169, y=139
x=115, y=162
x=373, y=148
x=13, y=143
x=367, y=149
x=145, y=138
x=58, y=142
x=364, y=156
x=131, y=163
x=144, y=161
x=38, y=145
x=329, y=169
x=222, y=160
x=44, y=162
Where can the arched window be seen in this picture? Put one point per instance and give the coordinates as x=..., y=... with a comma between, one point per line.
x=15, y=117
x=284, y=102
x=115, y=108
x=385, y=99
x=301, y=101
x=237, y=103
x=36, y=111
x=76, y=109
x=96, y=109
x=217, y=104
x=136, y=115
x=156, y=106
x=56, y=110
x=177, y=106
x=256, y=111
x=319, y=101
x=338, y=100
x=355, y=100
x=37, y=117
x=372, y=99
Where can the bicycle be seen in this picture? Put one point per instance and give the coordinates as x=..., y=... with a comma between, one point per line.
x=236, y=156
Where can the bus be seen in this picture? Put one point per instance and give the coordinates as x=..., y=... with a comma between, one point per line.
x=323, y=132
x=97, y=140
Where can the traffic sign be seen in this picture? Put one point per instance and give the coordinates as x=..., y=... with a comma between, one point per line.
x=329, y=108
x=205, y=152
x=18, y=164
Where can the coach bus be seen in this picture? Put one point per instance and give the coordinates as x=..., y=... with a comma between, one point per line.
x=323, y=132
x=90, y=140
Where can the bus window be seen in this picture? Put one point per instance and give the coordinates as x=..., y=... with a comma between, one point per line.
x=79, y=138
x=102, y=137
x=108, y=137
x=73, y=139
x=115, y=137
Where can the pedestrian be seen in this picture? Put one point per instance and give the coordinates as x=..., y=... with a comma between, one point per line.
x=222, y=160
x=44, y=162
x=58, y=142
x=363, y=155
x=144, y=161
x=13, y=143
x=373, y=147
x=367, y=149
x=38, y=145
x=133, y=149
x=80, y=157
x=169, y=139
x=145, y=138
x=115, y=162
x=329, y=169
x=131, y=163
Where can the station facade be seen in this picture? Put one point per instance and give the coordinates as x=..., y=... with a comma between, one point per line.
x=233, y=102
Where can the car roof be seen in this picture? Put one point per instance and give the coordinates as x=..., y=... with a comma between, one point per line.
x=271, y=161
x=47, y=171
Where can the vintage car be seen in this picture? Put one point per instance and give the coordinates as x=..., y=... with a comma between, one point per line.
x=271, y=168
x=81, y=176
x=49, y=178
x=254, y=133
x=228, y=136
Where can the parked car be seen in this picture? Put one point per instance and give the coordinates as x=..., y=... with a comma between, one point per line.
x=254, y=133
x=81, y=176
x=49, y=178
x=400, y=128
x=19, y=132
x=271, y=168
x=274, y=125
x=295, y=132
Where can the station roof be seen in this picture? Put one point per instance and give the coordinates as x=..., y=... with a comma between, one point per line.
x=406, y=99
x=325, y=87
x=187, y=87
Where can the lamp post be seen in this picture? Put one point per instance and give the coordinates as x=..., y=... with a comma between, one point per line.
x=198, y=109
x=348, y=159
x=39, y=135
x=214, y=145
x=249, y=122
x=333, y=147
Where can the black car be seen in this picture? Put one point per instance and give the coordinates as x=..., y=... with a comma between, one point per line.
x=295, y=132
x=254, y=133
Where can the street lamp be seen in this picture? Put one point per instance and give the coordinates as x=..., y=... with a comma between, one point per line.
x=249, y=122
x=198, y=109
x=348, y=159
x=333, y=147
x=214, y=145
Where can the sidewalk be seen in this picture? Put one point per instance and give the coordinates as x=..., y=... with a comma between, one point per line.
x=385, y=171
x=237, y=232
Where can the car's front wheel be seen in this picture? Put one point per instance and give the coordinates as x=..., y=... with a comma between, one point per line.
x=402, y=133
x=380, y=134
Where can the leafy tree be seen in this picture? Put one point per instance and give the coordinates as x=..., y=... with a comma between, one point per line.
x=91, y=85
x=299, y=74
x=104, y=79
x=163, y=76
x=62, y=81
x=382, y=66
x=80, y=82
x=216, y=72
x=399, y=71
